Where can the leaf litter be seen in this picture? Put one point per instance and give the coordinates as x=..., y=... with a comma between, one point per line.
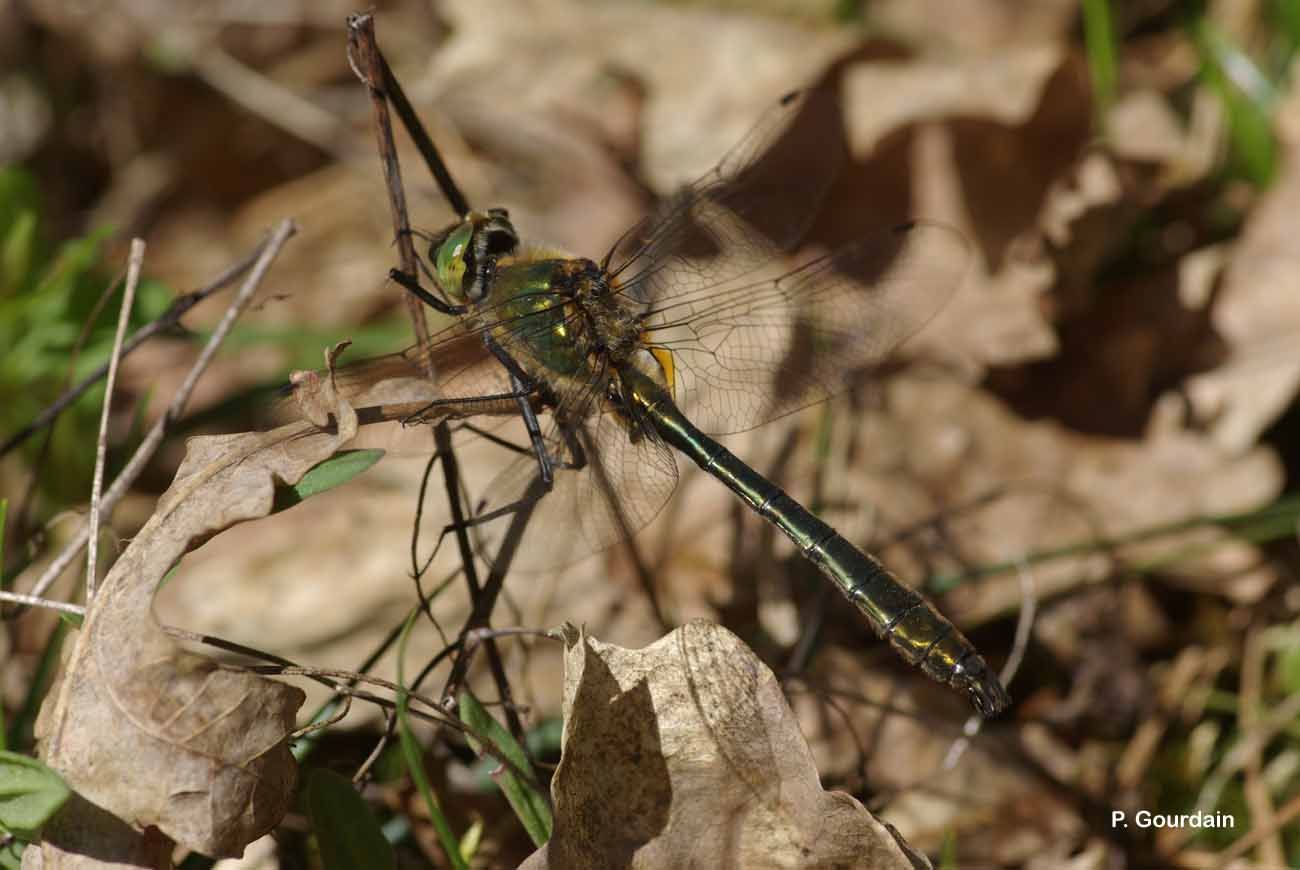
x=1014, y=164
x=150, y=732
x=686, y=754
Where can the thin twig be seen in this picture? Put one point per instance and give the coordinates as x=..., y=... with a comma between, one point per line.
x=483, y=596
x=267, y=99
x=486, y=596
x=476, y=637
x=1024, y=628
x=134, y=263
x=336, y=677
x=1256, y=791
x=267, y=254
x=1268, y=726
x=363, y=771
x=363, y=53
x=369, y=64
x=328, y=677
x=1276, y=824
x=1024, y=625
x=459, y=204
x=38, y=601
x=418, y=571
x=437, y=713
x=322, y=724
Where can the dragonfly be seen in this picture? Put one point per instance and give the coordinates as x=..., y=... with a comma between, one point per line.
x=696, y=323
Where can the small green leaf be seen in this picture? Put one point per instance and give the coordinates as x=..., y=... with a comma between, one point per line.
x=11, y=855
x=335, y=471
x=20, y=208
x=168, y=55
x=30, y=793
x=849, y=11
x=1288, y=669
x=18, y=253
x=527, y=802
x=347, y=832
x=471, y=840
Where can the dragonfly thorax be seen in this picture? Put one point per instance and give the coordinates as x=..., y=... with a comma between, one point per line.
x=615, y=324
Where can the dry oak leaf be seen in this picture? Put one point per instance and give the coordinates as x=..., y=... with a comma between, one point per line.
x=153, y=737
x=685, y=754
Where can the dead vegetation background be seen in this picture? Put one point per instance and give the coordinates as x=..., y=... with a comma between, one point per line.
x=1099, y=426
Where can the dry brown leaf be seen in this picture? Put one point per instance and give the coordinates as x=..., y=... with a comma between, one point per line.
x=976, y=142
x=988, y=26
x=149, y=734
x=686, y=754
x=1007, y=89
x=1060, y=488
x=865, y=724
x=698, y=68
x=1257, y=313
x=1142, y=126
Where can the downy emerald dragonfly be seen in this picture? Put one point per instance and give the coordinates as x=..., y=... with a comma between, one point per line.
x=696, y=323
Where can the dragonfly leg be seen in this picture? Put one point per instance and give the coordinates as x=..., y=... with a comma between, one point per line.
x=579, y=460
x=421, y=415
x=495, y=439
x=544, y=468
x=522, y=384
x=412, y=285
x=576, y=464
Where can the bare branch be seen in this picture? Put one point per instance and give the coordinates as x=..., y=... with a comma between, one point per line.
x=134, y=264
x=267, y=254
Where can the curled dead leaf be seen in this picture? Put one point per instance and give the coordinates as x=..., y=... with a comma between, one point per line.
x=152, y=736
x=686, y=754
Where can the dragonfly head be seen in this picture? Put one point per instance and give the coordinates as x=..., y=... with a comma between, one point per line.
x=464, y=255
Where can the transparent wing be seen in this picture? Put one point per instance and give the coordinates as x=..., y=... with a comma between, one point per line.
x=609, y=486
x=752, y=338
x=454, y=368
x=756, y=203
x=773, y=340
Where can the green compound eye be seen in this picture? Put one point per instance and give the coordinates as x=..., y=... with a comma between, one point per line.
x=449, y=262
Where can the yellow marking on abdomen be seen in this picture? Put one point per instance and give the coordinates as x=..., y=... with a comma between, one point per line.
x=664, y=357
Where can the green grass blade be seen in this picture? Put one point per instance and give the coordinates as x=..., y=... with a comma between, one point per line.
x=30, y=794
x=1273, y=522
x=948, y=851
x=1103, y=53
x=1287, y=15
x=1247, y=96
x=415, y=761
x=21, y=729
x=347, y=832
x=528, y=803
